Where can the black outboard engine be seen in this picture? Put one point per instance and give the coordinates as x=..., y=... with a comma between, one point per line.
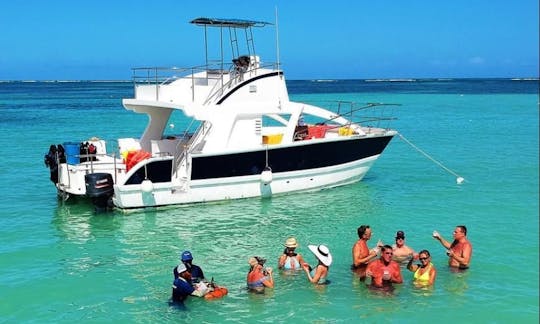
x=99, y=187
x=51, y=162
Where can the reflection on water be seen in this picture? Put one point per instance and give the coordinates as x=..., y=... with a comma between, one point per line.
x=458, y=283
x=78, y=222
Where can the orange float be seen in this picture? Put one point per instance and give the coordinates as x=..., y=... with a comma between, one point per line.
x=218, y=292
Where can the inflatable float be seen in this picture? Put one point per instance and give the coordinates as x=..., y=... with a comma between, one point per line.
x=216, y=293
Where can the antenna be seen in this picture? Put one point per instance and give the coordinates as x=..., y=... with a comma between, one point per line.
x=277, y=39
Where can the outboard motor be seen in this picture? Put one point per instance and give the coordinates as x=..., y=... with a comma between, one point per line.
x=51, y=162
x=99, y=187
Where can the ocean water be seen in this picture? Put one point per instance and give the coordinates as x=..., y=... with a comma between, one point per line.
x=61, y=262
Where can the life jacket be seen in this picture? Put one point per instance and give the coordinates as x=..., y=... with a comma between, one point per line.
x=135, y=157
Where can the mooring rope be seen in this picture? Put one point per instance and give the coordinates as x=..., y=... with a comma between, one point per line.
x=459, y=179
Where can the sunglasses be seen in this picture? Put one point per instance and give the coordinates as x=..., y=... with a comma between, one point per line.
x=422, y=259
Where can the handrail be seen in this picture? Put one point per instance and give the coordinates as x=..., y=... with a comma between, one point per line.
x=181, y=153
x=352, y=109
x=162, y=76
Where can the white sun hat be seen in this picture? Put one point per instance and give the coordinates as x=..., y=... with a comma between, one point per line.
x=322, y=253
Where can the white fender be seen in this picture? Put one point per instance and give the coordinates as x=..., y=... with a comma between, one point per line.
x=266, y=176
x=147, y=186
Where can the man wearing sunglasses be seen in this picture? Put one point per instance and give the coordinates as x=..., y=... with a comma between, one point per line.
x=384, y=271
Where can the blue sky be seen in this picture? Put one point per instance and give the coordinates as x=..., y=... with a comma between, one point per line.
x=103, y=40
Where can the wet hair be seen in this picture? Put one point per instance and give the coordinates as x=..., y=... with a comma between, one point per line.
x=426, y=252
x=463, y=229
x=386, y=247
x=362, y=230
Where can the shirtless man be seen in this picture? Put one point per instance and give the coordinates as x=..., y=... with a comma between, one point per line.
x=402, y=252
x=460, y=250
x=361, y=254
x=384, y=271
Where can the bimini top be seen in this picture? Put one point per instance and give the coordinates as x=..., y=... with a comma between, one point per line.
x=235, y=23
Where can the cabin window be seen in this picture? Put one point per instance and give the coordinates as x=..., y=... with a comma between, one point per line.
x=178, y=124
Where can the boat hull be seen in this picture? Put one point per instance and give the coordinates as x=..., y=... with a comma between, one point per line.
x=234, y=176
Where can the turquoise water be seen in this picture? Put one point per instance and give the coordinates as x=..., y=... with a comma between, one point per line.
x=61, y=262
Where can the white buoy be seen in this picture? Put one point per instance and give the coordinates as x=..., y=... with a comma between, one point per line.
x=459, y=180
x=266, y=176
x=147, y=186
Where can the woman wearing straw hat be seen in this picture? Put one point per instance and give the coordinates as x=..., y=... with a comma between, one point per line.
x=319, y=274
x=290, y=260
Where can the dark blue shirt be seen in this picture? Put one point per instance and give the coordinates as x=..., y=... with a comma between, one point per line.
x=181, y=289
x=195, y=271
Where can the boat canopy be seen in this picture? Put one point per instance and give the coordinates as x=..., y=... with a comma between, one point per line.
x=234, y=23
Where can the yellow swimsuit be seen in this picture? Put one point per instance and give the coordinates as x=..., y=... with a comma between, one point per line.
x=424, y=277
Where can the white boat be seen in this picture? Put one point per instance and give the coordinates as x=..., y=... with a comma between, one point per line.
x=245, y=138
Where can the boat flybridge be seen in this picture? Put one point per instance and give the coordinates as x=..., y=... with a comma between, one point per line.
x=243, y=136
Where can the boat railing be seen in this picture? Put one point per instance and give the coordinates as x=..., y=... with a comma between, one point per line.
x=224, y=75
x=237, y=76
x=185, y=148
x=91, y=164
x=369, y=115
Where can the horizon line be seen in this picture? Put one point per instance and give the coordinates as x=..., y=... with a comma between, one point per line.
x=411, y=79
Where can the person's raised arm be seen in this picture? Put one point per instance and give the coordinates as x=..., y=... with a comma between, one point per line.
x=281, y=261
x=315, y=277
x=439, y=238
x=318, y=274
x=412, y=267
x=269, y=282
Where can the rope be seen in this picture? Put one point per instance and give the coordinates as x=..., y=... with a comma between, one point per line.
x=459, y=179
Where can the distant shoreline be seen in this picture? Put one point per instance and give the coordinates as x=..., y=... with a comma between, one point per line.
x=312, y=80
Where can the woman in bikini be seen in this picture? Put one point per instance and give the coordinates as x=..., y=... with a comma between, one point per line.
x=258, y=277
x=425, y=272
x=290, y=260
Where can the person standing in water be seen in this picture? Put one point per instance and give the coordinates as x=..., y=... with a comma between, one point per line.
x=195, y=271
x=182, y=287
x=402, y=252
x=258, y=277
x=460, y=250
x=361, y=254
x=290, y=260
x=320, y=273
x=425, y=272
x=384, y=271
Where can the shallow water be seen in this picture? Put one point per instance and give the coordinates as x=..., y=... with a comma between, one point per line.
x=61, y=262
